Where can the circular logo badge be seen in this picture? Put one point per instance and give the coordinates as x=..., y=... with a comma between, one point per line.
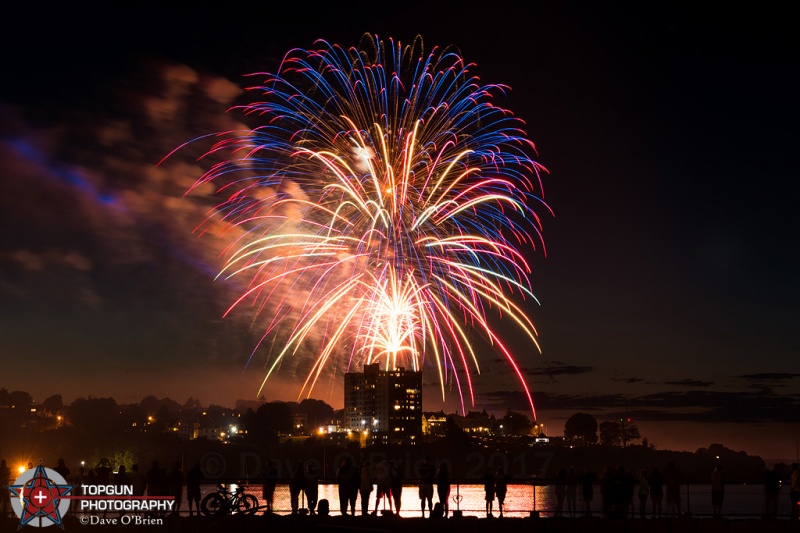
x=39, y=497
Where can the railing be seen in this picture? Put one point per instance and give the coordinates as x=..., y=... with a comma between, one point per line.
x=528, y=498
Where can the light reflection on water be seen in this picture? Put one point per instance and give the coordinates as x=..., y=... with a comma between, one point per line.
x=740, y=500
x=519, y=500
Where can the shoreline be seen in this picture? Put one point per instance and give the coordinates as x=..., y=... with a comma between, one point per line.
x=392, y=524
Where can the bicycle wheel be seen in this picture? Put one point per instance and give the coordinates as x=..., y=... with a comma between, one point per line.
x=248, y=504
x=212, y=504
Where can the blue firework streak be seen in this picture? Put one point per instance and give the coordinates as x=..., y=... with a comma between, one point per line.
x=381, y=209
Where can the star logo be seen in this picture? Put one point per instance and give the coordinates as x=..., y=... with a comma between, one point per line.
x=39, y=497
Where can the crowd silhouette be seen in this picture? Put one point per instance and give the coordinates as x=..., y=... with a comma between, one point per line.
x=623, y=493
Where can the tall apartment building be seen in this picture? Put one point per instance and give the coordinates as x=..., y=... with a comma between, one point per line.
x=386, y=405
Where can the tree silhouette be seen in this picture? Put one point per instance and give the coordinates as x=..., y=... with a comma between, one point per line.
x=95, y=414
x=268, y=422
x=581, y=428
x=613, y=433
x=515, y=423
x=53, y=404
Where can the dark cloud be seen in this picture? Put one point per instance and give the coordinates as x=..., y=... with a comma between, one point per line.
x=714, y=406
x=690, y=383
x=558, y=368
x=546, y=401
x=697, y=406
x=770, y=376
x=629, y=380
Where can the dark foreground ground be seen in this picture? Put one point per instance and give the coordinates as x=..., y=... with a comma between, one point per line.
x=338, y=524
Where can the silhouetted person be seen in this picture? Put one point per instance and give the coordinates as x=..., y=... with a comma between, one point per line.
x=5, y=495
x=672, y=484
x=605, y=489
x=352, y=484
x=772, y=489
x=343, y=482
x=396, y=484
x=194, y=479
x=442, y=481
x=794, y=491
x=122, y=479
x=656, y=482
x=103, y=472
x=175, y=483
x=383, y=481
x=156, y=480
x=62, y=469
x=500, y=489
x=717, y=490
x=488, y=491
x=629, y=483
x=644, y=492
x=365, y=486
x=137, y=480
x=561, y=491
x=618, y=493
x=311, y=487
x=427, y=471
x=88, y=477
x=588, y=480
x=572, y=490
x=268, y=484
x=296, y=485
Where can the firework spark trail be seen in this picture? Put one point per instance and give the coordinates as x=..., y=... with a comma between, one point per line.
x=385, y=204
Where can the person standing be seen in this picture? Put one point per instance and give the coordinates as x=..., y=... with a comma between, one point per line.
x=383, y=480
x=311, y=487
x=397, y=484
x=154, y=480
x=672, y=483
x=488, y=491
x=175, y=484
x=103, y=472
x=62, y=469
x=296, y=485
x=442, y=481
x=572, y=490
x=194, y=478
x=500, y=489
x=794, y=491
x=656, y=482
x=588, y=479
x=427, y=471
x=717, y=491
x=772, y=489
x=344, y=477
x=122, y=479
x=353, y=484
x=268, y=484
x=644, y=492
x=561, y=491
x=137, y=480
x=365, y=486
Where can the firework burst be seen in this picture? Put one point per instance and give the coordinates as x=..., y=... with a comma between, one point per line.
x=382, y=206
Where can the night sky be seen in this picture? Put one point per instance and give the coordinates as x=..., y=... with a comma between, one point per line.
x=669, y=290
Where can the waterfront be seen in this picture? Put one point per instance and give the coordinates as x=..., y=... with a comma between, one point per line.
x=742, y=501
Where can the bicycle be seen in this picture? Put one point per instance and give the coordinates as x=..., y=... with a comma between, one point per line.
x=226, y=502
